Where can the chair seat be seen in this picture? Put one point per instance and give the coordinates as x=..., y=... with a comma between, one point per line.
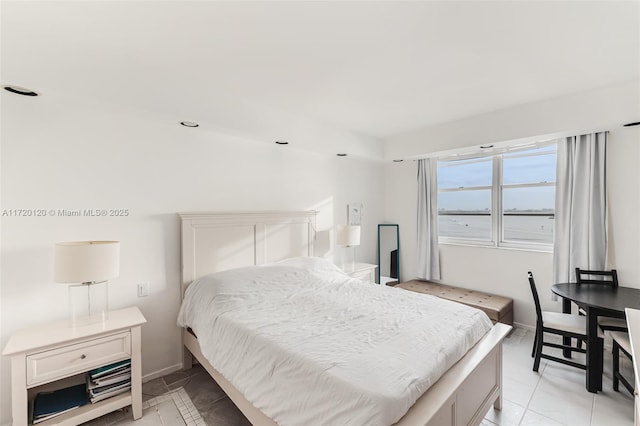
x=562, y=325
x=622, y=339
x=620, y=342
x=566, y=322
x=612, y=322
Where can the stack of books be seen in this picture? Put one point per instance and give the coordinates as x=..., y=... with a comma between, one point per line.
x=108, y=381
x=47, y=405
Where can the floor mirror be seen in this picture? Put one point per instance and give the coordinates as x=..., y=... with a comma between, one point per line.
x=388, y=254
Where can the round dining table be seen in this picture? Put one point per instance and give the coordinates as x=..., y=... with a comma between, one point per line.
x=597, y=300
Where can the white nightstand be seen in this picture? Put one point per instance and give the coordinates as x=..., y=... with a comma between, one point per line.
x=362, y=271
x=55, y=356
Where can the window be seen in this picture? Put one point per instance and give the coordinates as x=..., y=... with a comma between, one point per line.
x=505, y=199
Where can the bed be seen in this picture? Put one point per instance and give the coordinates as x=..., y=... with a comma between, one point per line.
x=214, y=242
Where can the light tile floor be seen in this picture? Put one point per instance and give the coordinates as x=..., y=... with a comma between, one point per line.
x=213, y=405
x=556, y=395
x=174, y=408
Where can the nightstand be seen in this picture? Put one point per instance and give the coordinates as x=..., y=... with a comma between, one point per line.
x=362, y=271
x=55, y=356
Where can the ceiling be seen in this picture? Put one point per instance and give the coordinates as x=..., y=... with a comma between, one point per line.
x=376, y=69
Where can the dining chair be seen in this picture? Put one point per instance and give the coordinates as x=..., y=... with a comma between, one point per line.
x=585, y=276
x=609, y=278
x=564, y=325
x=620, y=343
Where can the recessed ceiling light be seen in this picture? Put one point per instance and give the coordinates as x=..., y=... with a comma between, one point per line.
x=189, y=124
x=635, y=123
x=486, y=146
x=19, y=90
x=341, y=155
x=398, y=161
x=282, y=142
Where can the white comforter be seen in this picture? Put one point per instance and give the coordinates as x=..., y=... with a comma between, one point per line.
x=308, y=345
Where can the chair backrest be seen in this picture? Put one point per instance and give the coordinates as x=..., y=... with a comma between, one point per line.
x=536, y=299
x=585, y=276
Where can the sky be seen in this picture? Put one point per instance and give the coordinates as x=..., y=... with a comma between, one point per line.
x=516, y=170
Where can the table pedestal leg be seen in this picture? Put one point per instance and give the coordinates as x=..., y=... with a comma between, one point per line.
x=566, y=341
x=594, y=354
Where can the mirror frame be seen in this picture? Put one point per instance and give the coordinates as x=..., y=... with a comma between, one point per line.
x=380, y=225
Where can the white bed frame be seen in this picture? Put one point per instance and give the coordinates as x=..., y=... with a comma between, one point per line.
x=214, y=242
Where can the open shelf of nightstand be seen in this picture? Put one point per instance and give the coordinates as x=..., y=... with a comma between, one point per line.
x=90, y=411
x=54, y=356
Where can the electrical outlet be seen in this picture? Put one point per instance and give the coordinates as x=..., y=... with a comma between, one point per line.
x=143, y=290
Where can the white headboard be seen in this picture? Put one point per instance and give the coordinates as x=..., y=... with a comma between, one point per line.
x=213, y=242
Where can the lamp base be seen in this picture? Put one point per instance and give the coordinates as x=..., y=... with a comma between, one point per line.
x=88, y=303
x=348, y=259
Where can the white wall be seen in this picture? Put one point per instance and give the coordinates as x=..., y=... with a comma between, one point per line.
x=60, y=152
x=623, y=189
x=579, y=113
x=503, y=271
x=66, y=153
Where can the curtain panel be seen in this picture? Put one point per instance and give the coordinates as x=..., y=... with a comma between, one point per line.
x=580, y=235
x=427, y=248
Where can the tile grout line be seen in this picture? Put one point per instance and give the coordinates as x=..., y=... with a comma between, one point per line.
x=546, y=364
x=543, y=364
x=535, y=388
x=183, y=403
x=593, y=407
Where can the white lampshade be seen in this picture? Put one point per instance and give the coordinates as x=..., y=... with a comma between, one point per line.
x=86, y=261
x=348, y=235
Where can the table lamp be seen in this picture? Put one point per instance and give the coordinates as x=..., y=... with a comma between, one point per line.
x=349, y=236
x=87, y=266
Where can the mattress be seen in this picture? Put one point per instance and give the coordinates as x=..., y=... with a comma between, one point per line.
x=306, y=344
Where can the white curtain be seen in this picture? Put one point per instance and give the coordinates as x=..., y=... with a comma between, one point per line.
x=427, y=252
x=580, y=235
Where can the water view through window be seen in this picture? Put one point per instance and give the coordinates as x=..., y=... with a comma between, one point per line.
x=524, y=198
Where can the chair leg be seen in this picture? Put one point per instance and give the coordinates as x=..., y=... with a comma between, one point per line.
x=535, y=343
x=616, y=364
x=538, y=355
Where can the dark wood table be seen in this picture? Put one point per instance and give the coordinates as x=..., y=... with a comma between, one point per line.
x=598, y=301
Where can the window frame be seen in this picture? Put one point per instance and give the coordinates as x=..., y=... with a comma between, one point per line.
x=497, y=188
x=473, y=241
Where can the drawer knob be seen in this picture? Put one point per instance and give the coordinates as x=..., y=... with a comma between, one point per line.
x=83, y=356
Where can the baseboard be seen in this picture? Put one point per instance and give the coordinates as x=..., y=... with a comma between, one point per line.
x=525, y=326
x=163, y=372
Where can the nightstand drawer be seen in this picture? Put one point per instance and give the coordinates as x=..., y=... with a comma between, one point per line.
x=362, y=271
x=51, y=365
